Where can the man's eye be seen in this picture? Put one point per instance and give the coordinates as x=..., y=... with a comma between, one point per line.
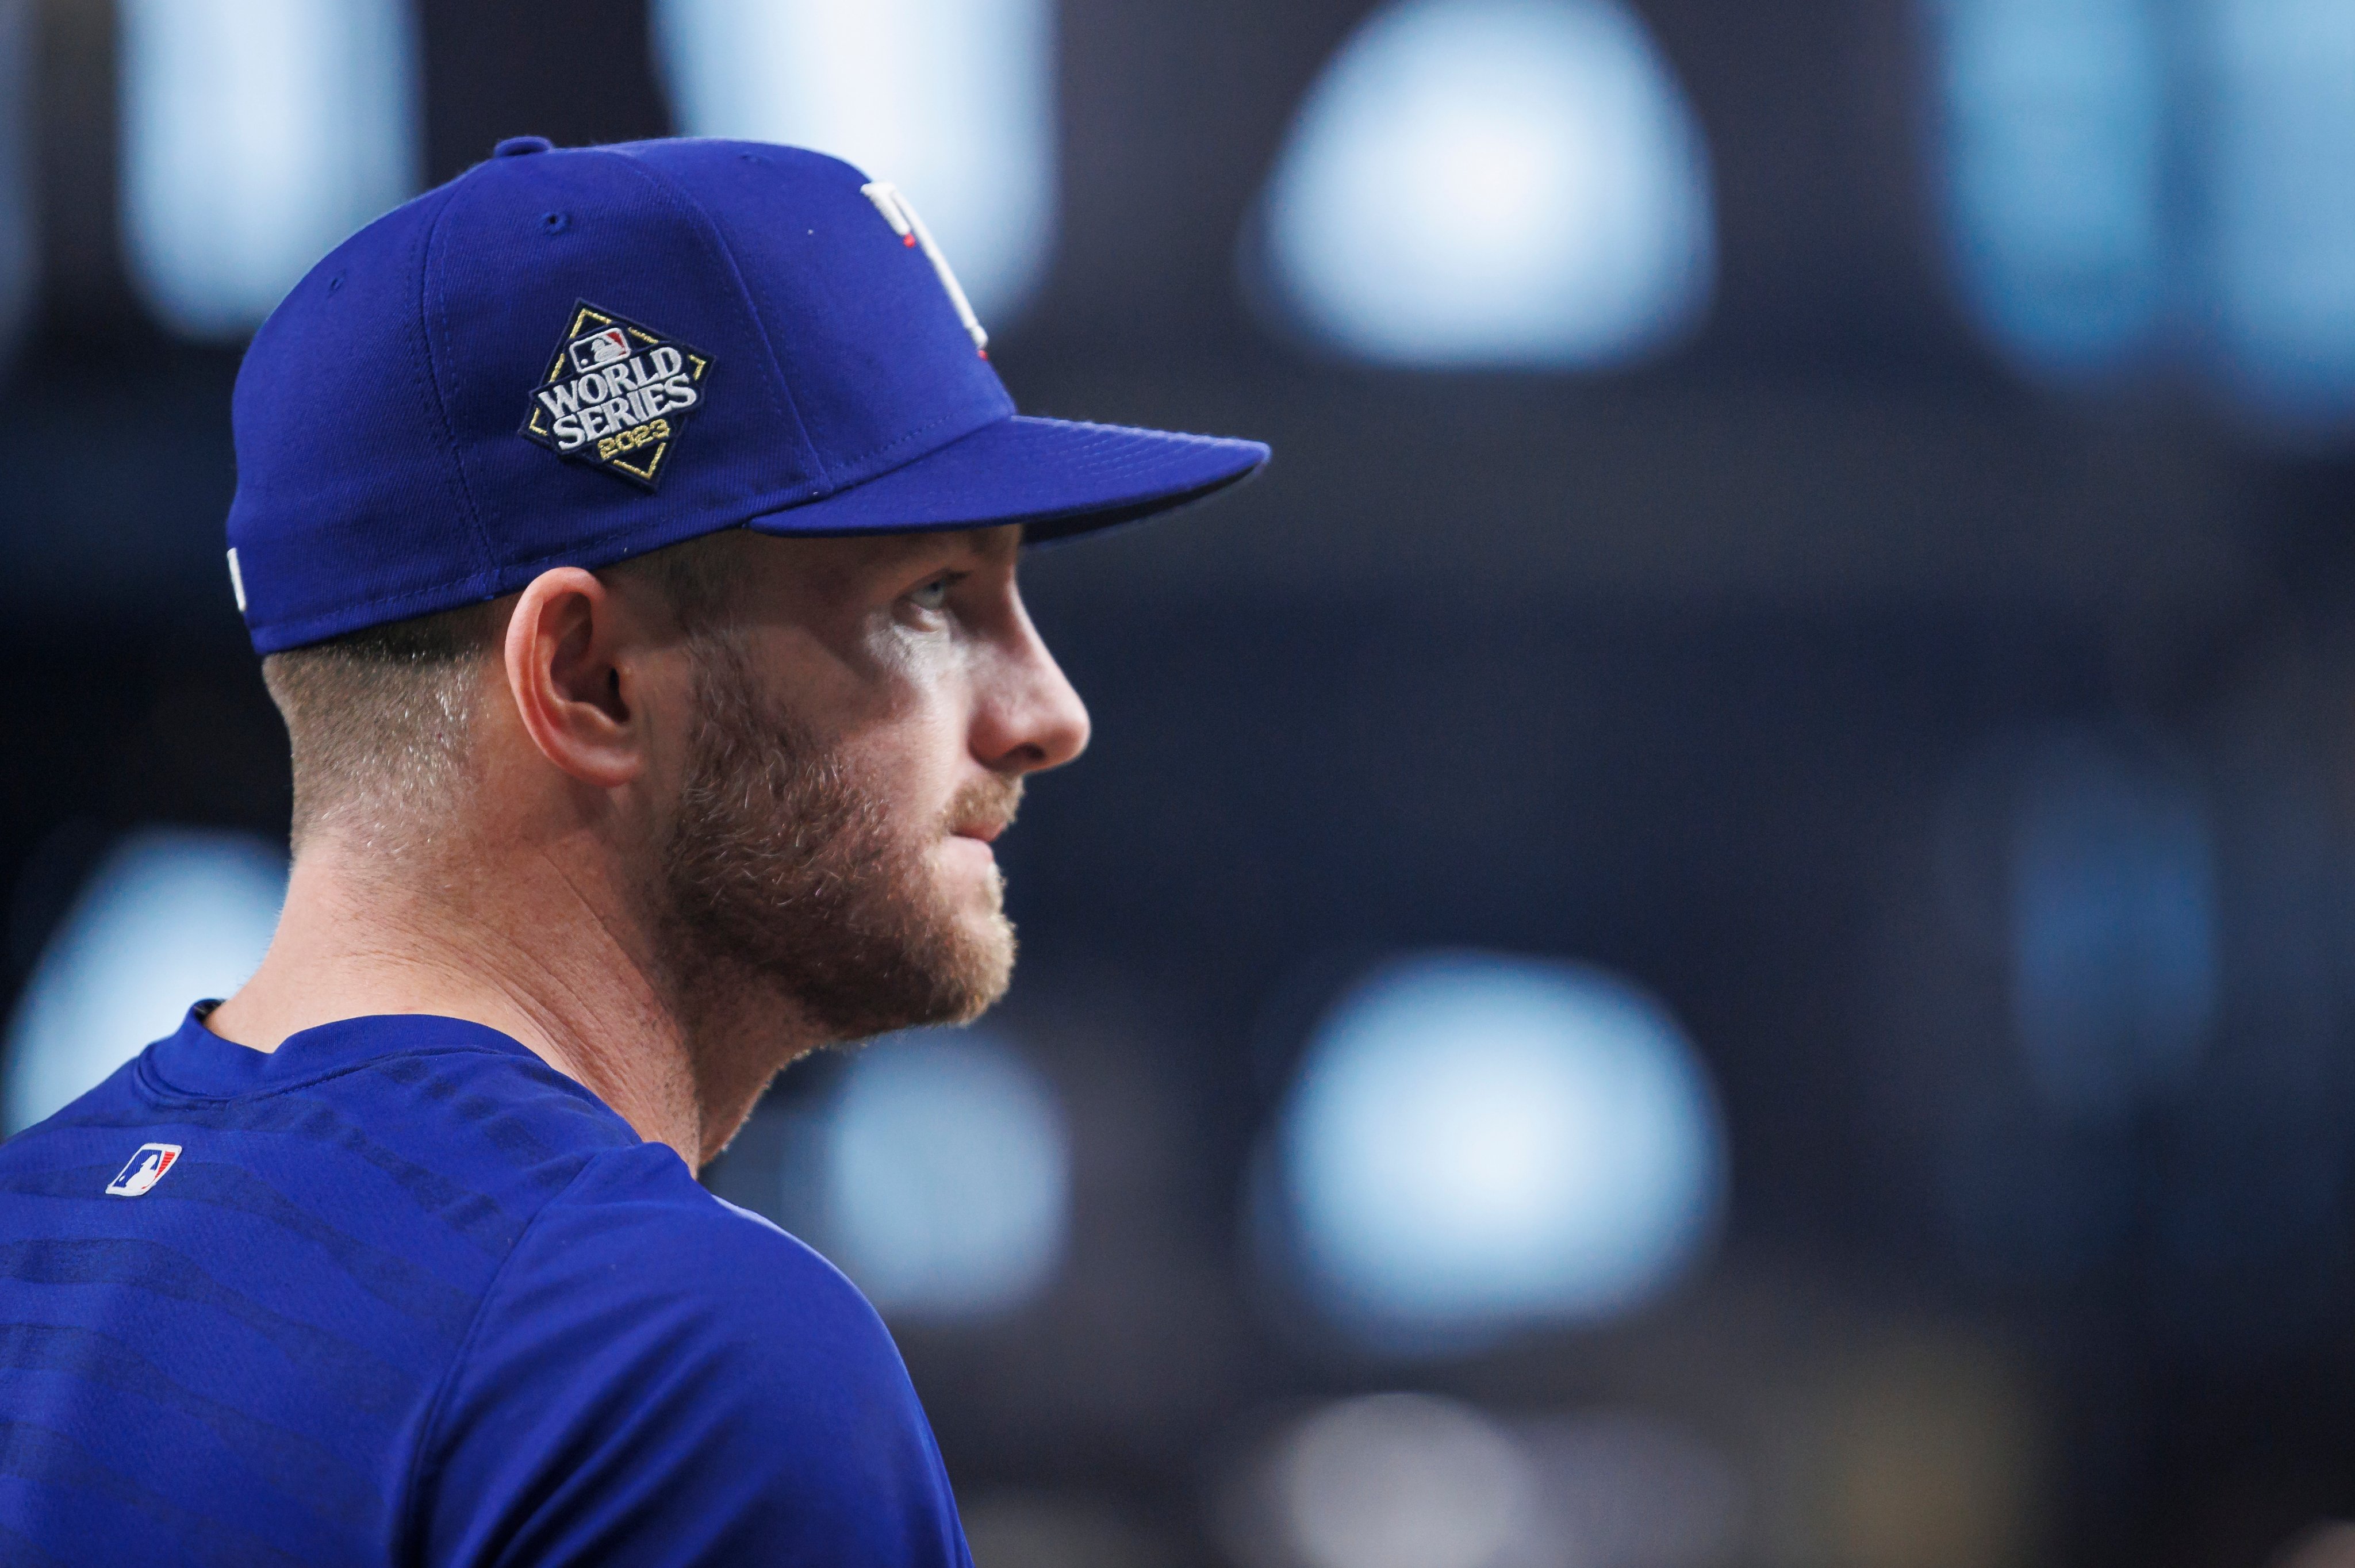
x=933, y=595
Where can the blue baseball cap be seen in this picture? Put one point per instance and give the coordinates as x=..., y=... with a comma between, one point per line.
x=573, y=357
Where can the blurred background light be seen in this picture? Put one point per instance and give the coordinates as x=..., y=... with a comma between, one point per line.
x=1420, y=1481
x=2280, y=205
x=1625, y=1488
x=1931, y=1450
x=2330, y=1544
x=946, y=1174
x=1401, y=1480
x=169, y=917
x=1043, y=1529
x=2113, y=940
x=1494, y=182
x=2054, y=137
x=1475, y=1142
x=257, y=134
x=952, y=101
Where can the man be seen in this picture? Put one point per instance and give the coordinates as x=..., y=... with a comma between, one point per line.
x=630, y=533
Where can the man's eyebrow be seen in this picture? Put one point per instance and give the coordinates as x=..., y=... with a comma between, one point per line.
x=945, y=544
x=891, y=553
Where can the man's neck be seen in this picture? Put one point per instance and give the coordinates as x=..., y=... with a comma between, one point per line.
x=525, y=945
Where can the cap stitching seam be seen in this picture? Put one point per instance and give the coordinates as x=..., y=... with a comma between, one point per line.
x=707, y=234
x=899, y=441
x=487, y=559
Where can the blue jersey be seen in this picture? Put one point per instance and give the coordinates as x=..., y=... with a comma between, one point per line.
x=400, y=1291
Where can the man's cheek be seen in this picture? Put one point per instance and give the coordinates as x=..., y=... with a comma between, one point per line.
x=910, y=776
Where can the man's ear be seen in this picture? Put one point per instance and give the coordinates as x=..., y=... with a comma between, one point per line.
x=568, y=663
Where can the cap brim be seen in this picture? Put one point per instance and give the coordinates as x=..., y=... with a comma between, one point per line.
x=1058, y=477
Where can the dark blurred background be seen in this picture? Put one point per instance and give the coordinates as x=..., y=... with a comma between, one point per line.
x=1711, y=927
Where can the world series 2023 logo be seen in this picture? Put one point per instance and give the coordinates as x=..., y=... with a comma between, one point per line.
x=616, y=394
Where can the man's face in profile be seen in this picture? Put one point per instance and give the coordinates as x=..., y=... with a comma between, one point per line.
x=860, y=734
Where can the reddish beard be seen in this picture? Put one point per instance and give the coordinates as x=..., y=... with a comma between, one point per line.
x=784, y=866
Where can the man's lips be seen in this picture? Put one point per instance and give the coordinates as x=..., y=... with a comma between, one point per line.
x=983, y=811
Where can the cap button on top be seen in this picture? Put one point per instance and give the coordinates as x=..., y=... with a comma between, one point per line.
x=516, y=146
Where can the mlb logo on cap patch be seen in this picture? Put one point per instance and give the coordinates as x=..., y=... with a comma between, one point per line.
x=143, y=1170
x=599, y=348
x=616, y=395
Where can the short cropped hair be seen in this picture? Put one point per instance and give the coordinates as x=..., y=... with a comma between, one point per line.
x=379, y=720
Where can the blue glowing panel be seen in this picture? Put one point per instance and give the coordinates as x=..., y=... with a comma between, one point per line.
x=18, y=246
x=1475, y=1142
x=2054, y=135
x=2281, y=206
x=170, y=917
x=2114, y=960
x=256, y=135
x=1493, y=183
x=946, y=1176
x=951, y=100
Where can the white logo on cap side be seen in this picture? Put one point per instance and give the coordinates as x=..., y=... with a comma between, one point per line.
x=235, y=579
x=902, y=215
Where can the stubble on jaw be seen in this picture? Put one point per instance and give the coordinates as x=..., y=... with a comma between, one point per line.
x=784, y=872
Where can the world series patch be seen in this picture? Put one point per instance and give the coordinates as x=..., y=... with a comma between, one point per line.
x=616, y=394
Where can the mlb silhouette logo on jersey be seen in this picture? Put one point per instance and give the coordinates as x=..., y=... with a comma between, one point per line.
x=144, y=1170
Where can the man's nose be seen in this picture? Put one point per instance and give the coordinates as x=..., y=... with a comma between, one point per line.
x=1030, y=718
